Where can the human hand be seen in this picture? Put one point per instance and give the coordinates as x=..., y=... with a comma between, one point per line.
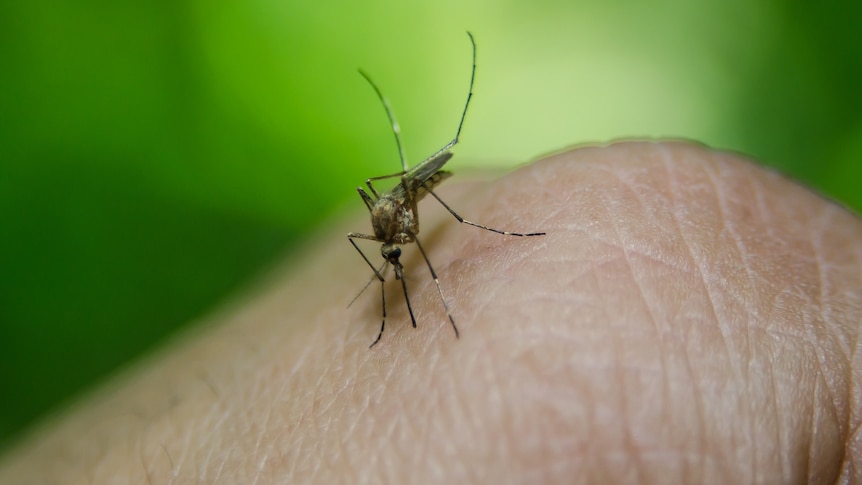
x=689, y=317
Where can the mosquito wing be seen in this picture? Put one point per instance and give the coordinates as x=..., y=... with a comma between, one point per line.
x=417, y=188
x=426, y=175
x=428, y=167
x=430, y=183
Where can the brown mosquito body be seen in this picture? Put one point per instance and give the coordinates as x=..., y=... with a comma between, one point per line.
x=394, y=214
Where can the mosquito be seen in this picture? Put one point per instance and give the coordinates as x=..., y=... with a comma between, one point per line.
x=394, y=214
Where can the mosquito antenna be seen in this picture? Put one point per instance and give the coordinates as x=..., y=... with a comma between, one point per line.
x=466, y=105
x=396, y=129
x=469, y=92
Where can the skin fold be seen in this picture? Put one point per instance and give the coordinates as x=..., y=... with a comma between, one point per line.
x=689, y=317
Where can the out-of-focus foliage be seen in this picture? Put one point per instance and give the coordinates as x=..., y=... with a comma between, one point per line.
x=155, y=155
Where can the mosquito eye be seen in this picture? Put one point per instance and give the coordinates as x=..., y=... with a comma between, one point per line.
x=396, y=253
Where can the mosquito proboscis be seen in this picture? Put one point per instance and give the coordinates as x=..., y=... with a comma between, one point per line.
x=394, y=214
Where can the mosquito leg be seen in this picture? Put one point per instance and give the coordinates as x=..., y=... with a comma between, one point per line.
x=379, y=275
x=465, y=221
x=407, y=299
x=369, y=202
x=381, y=270
x=439, y=290
x=350, y=238
x=399, y=275
x=382, y=177
x=383, y=322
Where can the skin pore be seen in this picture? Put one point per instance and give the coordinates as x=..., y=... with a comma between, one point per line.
x=688, y=318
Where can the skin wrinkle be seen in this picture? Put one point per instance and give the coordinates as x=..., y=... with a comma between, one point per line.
x=822, y=374
x=204, y=467
x=488, y=289
x=144, y=465
x=439, y=463
x=746, y=261
x=782, y=435
x=763, y=211
x=495, y=392
x=700, y=415
x=849, y=468
x=345, y=451
x=413, y=432
x=463, y=419
x=185, y=439
x=170, y=462
x=415, y=435
x=815, y=340
x=351, y=424
x=816, y=343
x=637, y=251
x=221, y=465
x=821, y=342
x=740, y=245
x=623, y=246
x=501, y=251
x=423, y=443
x=672, y=183
x=257, y=445
x=627, y=441
x=627, y=448
x=592, y=455
x=463, y=416
x=715, y=290
x=725, y=330
x=312, y=433
x=817, y=250
x=779, y=432
x=212, y=435
x=294, y=438
x=844, y=336
x=814, y=415
x=348, y=427
x=201, y=375
x=698, y=405
x=150, y=455
x=591, y=416
x=261, y=433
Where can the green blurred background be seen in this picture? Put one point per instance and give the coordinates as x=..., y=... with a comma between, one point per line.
x=156, y=156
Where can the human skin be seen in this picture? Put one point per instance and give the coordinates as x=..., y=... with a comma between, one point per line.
x=688, y=318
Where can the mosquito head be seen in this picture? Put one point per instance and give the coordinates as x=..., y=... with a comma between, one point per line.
x=390, y=253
